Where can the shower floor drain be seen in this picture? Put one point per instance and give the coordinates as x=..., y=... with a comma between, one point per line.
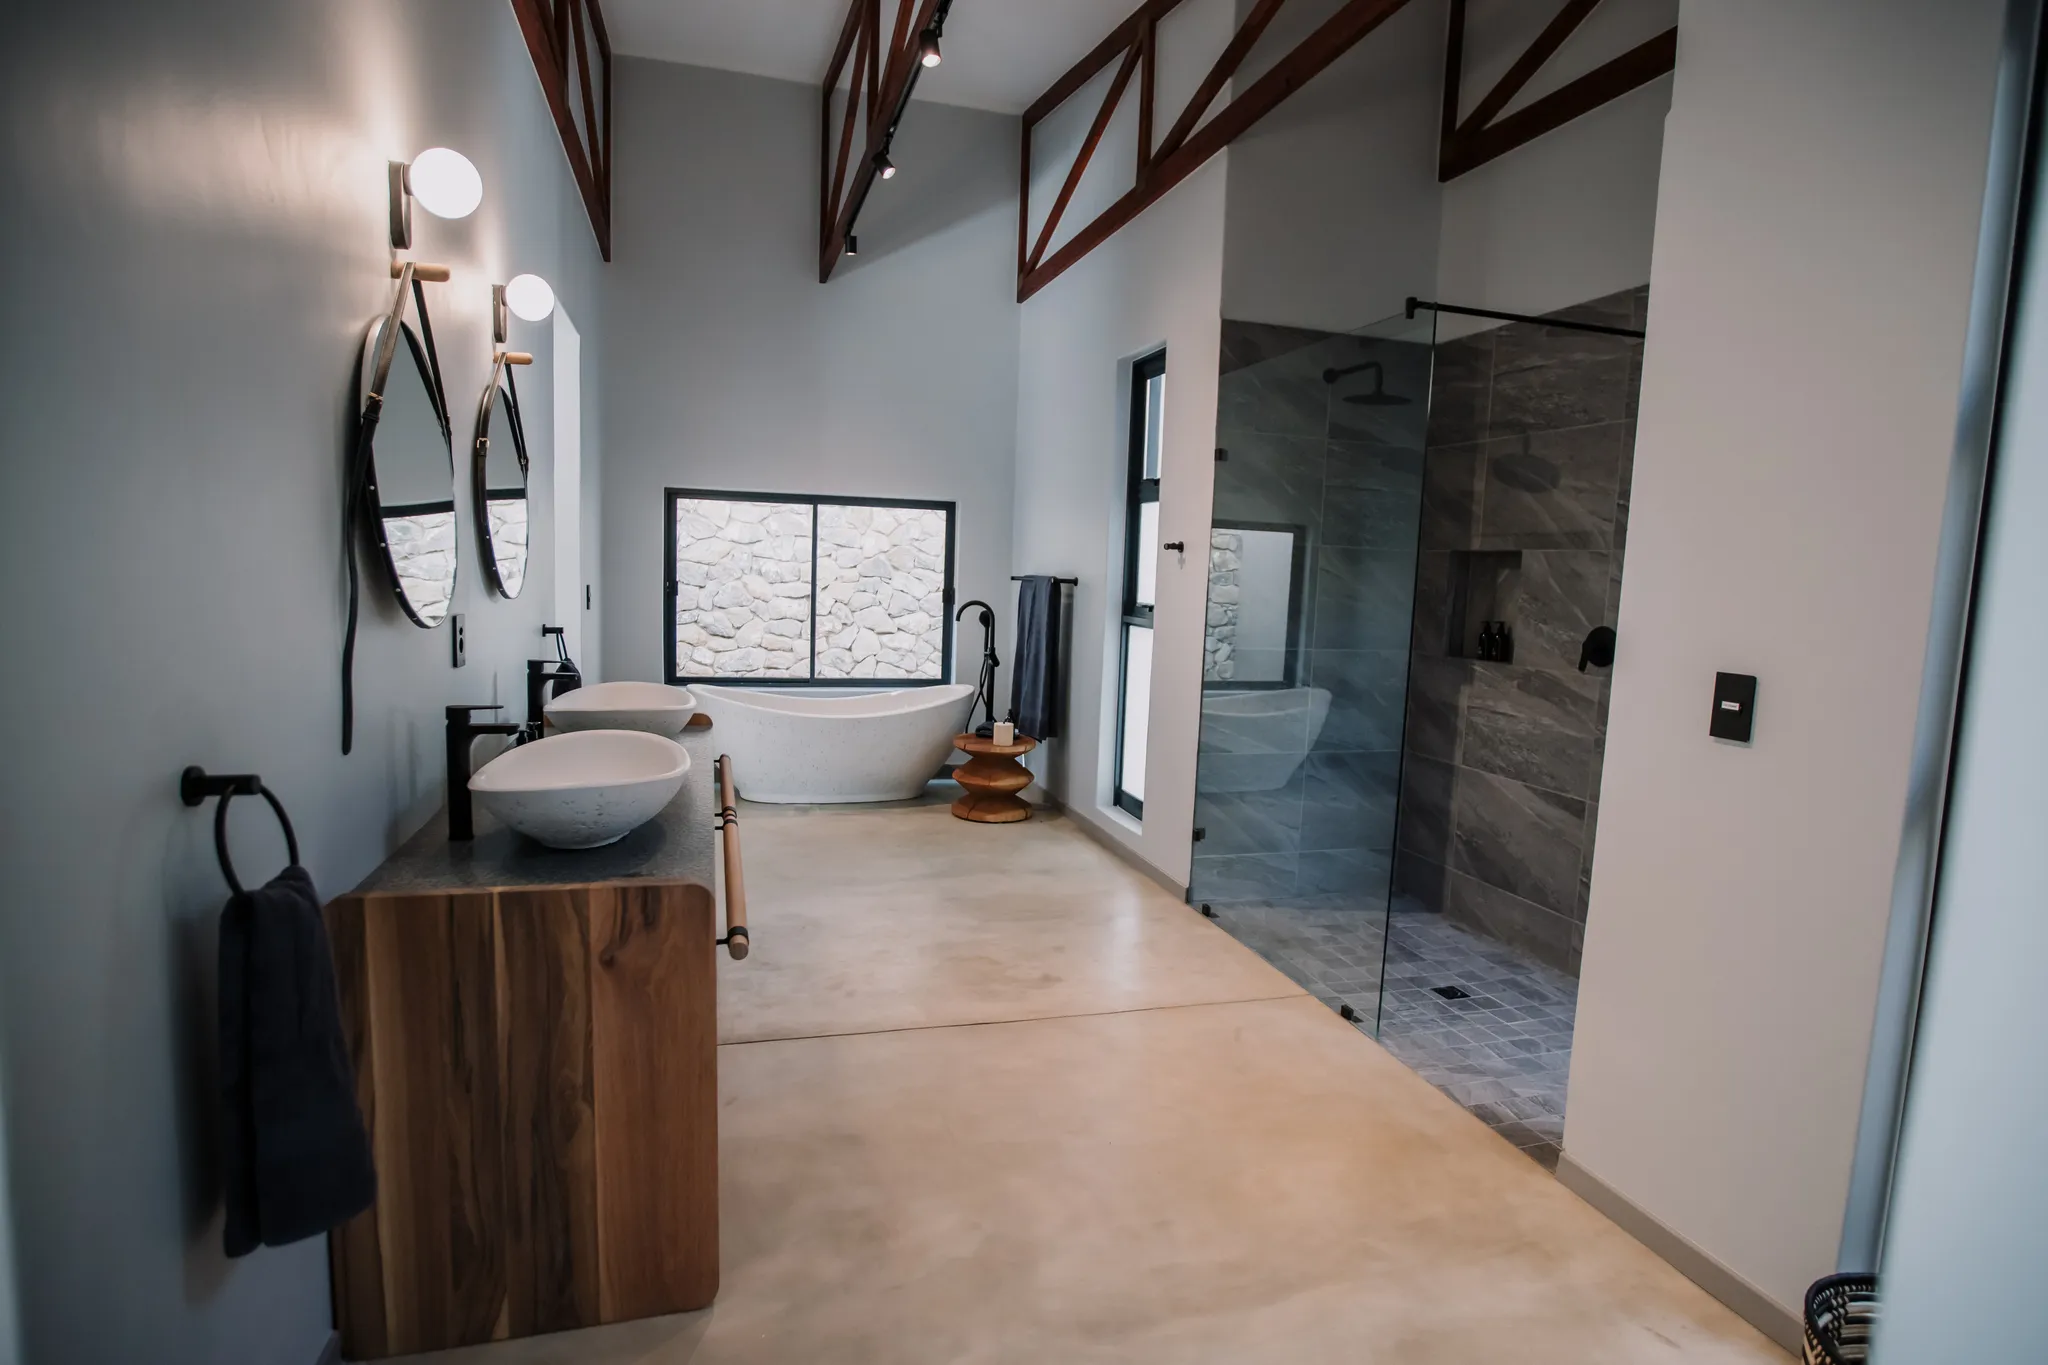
x=1451, y=993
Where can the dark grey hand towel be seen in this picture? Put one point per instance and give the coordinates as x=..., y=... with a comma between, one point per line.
x=297, y=1154
x=1035, y=668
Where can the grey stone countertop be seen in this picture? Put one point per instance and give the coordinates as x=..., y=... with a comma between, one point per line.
x=678, y=844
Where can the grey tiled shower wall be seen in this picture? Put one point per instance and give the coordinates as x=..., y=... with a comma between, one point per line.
x=1300, y=802
x=1525, y=513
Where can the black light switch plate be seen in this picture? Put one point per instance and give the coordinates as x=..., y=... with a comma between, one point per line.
x=458, y=640
x=1734, y=707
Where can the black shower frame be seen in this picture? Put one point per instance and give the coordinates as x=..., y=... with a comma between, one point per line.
x=1416, y=305
x=814, y=501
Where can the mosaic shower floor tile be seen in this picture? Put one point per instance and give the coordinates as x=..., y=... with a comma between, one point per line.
x=1486, y=1025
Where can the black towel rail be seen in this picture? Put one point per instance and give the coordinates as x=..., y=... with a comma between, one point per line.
x=196, y=785
x=1070, y=582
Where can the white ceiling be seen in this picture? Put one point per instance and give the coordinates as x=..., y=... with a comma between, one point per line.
x=1000, y=54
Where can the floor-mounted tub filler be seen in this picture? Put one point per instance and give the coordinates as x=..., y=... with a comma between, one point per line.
x=798, y=748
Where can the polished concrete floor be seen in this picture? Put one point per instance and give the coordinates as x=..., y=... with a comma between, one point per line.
x=989, y=1096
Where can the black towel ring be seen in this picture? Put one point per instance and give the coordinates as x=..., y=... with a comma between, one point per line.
x=195, y=785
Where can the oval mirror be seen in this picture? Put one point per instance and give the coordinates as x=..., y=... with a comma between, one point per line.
x=409, y=490
x=500, y=473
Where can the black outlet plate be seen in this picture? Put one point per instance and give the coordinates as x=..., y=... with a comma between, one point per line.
x=458, y=640
x=1734, y=707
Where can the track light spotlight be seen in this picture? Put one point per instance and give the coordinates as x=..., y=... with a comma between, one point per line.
x=884, y=165
x=928, y=48
x=852, y=244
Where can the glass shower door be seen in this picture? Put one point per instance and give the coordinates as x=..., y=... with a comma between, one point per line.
x=1312, y=554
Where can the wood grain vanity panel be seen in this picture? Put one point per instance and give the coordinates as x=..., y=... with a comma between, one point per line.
x=438, y=1130
x=655, y=1035
x=538, y=1067
x=357, y=1262
x=550, y=1214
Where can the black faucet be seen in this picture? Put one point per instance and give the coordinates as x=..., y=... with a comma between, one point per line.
x=565, y=678
x=461, y=731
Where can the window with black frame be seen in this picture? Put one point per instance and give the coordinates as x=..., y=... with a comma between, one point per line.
x=795, y=590
x=1141, y=581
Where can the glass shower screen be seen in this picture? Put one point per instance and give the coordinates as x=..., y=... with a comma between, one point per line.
x=1312, y=559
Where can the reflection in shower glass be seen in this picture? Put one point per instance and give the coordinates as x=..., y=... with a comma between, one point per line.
x=1318, y=496
x=1256, y=573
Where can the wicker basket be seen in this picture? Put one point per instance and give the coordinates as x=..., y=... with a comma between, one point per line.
x=1841, y=1314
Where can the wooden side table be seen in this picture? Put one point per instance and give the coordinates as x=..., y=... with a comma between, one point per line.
x=993, y=777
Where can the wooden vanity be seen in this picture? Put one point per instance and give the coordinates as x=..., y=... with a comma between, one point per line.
x=535, y=1041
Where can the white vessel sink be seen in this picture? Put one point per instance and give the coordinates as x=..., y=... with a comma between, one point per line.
x=582, y=790
x=651, y=707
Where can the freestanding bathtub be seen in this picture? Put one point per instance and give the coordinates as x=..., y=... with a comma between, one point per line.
x=793, y=747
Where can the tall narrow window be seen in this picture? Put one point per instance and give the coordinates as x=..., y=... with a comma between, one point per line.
x=1141, y=580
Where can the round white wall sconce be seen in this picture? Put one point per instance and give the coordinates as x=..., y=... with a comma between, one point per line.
x=530, y=297
x=443, y=180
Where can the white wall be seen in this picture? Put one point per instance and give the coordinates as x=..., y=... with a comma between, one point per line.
x=198, y=195
x=1815, y=238
x=1568, y=217
x=1156, y=283
x=730, y=366
x=1335, y=213
x=1334, y=205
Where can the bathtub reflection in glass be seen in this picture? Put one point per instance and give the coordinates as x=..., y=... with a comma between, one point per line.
x=1318, y=500
x=1265, y=734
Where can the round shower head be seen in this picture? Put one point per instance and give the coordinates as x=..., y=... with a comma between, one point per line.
x=1379, y=397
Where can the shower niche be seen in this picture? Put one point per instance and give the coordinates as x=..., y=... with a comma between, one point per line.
x=1485, y=598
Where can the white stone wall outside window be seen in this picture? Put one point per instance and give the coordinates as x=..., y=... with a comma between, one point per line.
x=809, y=591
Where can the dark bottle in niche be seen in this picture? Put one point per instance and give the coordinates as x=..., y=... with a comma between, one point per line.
x=1496, y=645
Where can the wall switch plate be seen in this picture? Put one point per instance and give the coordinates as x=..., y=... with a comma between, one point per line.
x=1734, y=707
x=458, y=637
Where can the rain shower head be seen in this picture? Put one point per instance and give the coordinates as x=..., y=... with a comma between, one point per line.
x=1378, y=397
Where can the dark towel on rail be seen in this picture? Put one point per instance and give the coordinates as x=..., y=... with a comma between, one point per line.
x=1035, y=668
x=297, y=1154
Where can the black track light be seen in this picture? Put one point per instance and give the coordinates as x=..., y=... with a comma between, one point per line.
x=852, y=245
x=884, y=165
x=928, y=48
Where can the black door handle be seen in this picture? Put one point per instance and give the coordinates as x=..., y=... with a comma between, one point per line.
x=1179, y=545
